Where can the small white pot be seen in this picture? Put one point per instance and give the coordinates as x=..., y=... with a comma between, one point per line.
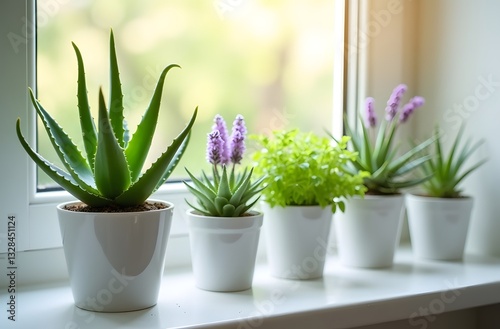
x=223, y=250
x=438, y=226
x=369, y=230
x=115, y=260
x=297, y=240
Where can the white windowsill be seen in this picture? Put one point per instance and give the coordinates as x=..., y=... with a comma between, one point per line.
x=343, y=298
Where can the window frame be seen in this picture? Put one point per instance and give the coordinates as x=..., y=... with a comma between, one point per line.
x=37, y=226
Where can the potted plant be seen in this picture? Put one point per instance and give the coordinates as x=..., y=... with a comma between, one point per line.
x=114, y=238
x=305, y=183
x=224, y=230
x=369, y=230
x=439, y=217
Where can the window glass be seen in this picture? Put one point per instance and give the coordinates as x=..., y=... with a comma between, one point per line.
x=271, y=61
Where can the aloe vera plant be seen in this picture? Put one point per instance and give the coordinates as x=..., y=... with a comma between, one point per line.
x=110, y=172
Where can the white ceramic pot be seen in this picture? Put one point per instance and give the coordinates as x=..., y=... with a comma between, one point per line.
x=369, y=230
x=115, y=260
x=438, y=226
x=223, y=250
x=297, y=240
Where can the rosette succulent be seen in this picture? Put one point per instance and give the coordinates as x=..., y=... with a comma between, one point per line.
x=110, y=172
x=227, y=193
x=389, y=171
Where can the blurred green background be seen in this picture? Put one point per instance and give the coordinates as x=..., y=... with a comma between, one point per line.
x=270, y=61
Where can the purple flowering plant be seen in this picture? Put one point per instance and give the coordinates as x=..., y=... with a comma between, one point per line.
x=389, y=171
x=227, y=193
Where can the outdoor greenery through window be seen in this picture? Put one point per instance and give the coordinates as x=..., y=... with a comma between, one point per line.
x=271, y=61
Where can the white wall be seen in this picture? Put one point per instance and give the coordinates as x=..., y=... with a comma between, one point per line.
x=458, y=72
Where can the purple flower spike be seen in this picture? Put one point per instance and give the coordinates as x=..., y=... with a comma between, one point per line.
x=220, y=125
x=370, y=116
x=394, y=101
x=237, y=145
x=410, y=107
x=215, y=145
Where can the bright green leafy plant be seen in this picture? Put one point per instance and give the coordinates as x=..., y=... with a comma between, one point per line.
x=111, y=172
x=227, y=194
x=305, y=169
x=377, y=154
x=447, y=171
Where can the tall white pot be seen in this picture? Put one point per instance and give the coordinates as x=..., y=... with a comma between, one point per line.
x=297, y=240
x=115, y=260
x=438, y=226
x=369, y=230
x=223, y=250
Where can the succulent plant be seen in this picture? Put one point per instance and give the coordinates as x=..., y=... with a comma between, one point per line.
x=389, y=172
x=227, y=194
x=447, y=171
x=110, y=172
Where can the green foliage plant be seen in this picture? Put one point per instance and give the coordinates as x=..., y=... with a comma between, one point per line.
x=378, y=155
x=302, y=169
x=228, y=193
x=110, y=172
x=447, y=170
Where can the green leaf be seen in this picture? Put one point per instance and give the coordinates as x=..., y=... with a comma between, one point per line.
x=207, y=191
x=198, y=208
x=228, y=210
x=140, y=143
x=87, y=125
x=224, y=190
x=59, y=176
x=202, y=198
x=139, y=191
x=67, y=151
x=112, y=176
x=173, y=162
x=116, y=95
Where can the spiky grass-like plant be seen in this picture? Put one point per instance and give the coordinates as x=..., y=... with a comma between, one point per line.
x=110, y=173
x=447, y=170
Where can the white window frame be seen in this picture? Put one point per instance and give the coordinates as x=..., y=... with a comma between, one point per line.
x=35, y=213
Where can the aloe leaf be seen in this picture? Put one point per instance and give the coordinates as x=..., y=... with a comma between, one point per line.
x=59, y=176
x=112, y=176
x=173, y=162
x=139, y=191
x=89, y=131
x=116, y=95
x=367, y=149
x=67, y=151
x=140, y=143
